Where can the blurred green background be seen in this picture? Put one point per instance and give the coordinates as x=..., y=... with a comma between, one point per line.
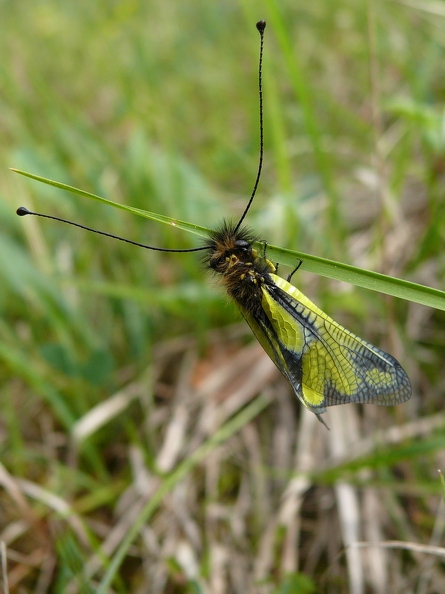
x=155, y=105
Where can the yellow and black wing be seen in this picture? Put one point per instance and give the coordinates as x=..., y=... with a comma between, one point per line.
x=325, y=363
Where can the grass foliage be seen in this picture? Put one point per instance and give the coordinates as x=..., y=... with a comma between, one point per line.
x=148, y=445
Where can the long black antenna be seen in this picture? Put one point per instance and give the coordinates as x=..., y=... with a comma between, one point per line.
x=261, y=25
x=22, y=211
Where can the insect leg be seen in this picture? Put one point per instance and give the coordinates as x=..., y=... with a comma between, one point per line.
x=274, y=267
x=264, y=242
x=289, y=278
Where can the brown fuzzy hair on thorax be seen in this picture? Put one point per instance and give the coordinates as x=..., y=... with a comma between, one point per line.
x=230, y=253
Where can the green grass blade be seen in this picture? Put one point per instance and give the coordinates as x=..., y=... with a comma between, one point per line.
x=360, y=277
x=192, y=228
x=367, y=279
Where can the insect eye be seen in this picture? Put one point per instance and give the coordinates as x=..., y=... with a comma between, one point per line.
x=243, y=248
x=242, y=243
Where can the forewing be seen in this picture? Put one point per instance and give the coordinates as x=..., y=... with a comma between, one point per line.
x=326, y=363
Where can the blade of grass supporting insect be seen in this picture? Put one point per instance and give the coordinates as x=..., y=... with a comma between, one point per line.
x=236, y=423
x=328, y=268
x=192, y=228
x=367, y=279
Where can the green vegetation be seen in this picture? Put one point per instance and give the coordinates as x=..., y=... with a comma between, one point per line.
x=146, y=443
